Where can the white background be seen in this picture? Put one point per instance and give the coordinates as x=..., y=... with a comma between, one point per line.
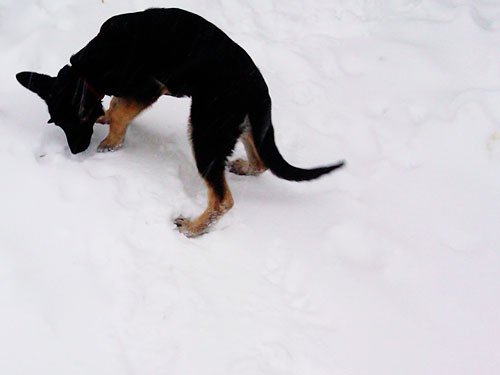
x=388, y=266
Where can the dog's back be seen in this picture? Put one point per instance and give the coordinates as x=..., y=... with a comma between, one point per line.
x=181, y=49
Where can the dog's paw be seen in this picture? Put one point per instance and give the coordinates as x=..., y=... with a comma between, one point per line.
x=243, y=168
x=102, y=120
x=184, y=226
x=181, y=221
x=239, y=166
x=108, y=145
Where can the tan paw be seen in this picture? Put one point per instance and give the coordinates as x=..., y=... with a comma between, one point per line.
x=243, y=168
x=185, y=226
x=109, y=144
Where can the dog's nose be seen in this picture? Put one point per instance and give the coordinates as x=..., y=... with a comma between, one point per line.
x=79, y=146
x=78, y=142
x=77, y=149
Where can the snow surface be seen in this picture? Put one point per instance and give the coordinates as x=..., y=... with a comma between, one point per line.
x=389, y=266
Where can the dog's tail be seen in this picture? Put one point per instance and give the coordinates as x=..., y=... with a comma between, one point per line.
x=263, y=136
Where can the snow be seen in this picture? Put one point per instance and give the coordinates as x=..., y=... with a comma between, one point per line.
x=389, y=266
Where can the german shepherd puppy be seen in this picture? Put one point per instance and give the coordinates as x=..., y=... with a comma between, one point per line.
x=138, y=57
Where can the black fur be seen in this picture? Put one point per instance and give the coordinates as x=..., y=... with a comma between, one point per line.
x=135, y=54
x=71, y=106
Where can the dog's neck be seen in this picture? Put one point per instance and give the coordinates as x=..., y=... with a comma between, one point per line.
x=99, y=94
x=88, y=70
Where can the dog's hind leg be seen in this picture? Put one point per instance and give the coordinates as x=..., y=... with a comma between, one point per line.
x=220, y=201
x=214, y=132
x=254, y=166
x=121, y=111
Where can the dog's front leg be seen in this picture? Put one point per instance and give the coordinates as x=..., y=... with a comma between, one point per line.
x=104, y=119
x=121, y=111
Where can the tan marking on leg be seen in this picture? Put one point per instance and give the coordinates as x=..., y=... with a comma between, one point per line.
x=254, y=166
x=104, y=119
x=165, y=91
x=215, y=209
x=121, y=111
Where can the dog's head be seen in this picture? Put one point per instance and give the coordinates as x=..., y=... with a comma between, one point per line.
x=72, y=105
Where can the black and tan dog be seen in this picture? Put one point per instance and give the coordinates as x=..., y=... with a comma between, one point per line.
x=138, y=57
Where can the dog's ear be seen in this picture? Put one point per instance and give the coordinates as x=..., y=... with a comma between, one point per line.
x=40, y=84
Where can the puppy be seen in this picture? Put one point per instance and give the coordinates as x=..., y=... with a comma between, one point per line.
x=138, y=57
